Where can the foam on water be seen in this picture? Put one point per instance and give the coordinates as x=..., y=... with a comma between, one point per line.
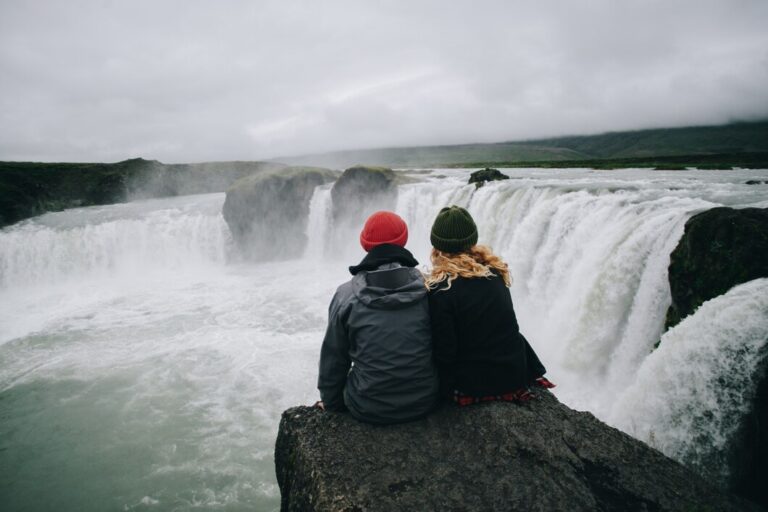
x=169, y=388
x=110, y=240
x=689, y=394
x=142, y=369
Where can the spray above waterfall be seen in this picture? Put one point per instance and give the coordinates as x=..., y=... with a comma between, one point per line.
x=688, y=397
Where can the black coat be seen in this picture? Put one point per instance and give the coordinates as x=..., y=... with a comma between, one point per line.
x=477, y=344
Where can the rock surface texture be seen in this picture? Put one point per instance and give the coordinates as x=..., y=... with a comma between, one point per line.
x=493, y=456
x=749, y=457
x=362, y=190
x=267, y=213
x=720, y=248
x=28, y=189
x=480, y=177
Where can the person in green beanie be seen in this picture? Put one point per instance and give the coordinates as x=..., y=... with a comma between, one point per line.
x=480, y=353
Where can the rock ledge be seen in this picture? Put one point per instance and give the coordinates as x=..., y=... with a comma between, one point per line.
x=494, y=456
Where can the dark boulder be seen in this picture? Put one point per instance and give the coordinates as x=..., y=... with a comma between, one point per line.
x=480, y=177
x=267, y=213
x=720, y=248
x=362, y=190
x=493, y=456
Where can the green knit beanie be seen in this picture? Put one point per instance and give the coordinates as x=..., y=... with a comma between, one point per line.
x=453, y=230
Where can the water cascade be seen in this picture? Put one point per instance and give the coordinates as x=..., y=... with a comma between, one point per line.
x=140, y=358
x=687, y=397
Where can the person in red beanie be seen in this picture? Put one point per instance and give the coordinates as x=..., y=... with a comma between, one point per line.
x=376, y=357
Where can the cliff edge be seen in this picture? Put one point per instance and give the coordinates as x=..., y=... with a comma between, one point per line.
x=494, y=456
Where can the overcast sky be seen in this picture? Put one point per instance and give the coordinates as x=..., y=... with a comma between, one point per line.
x=184, y=80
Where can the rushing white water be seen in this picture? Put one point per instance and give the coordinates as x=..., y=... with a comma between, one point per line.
x=688, y=396
x=319, y=222
x=116, y=239
x=141, y=368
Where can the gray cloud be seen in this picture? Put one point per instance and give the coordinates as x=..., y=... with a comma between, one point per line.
x=203, y=80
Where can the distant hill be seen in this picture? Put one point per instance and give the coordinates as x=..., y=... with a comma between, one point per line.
x=736, y=138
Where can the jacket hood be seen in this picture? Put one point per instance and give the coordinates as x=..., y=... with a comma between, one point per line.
x=391, y=286
x=383, y=254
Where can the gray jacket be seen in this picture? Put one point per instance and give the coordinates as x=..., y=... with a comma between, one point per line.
x=377, y=353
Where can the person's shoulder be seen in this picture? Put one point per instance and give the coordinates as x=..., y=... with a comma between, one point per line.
x=437, y=287
x=344, y=292
x=443, y=289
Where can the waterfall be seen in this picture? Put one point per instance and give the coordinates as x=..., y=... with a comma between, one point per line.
x=318, y=224
x=119, y=239
x=589, y=267
x=132, y=325
x=690, y=394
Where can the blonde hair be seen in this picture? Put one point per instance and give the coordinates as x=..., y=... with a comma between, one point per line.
x=477, y=261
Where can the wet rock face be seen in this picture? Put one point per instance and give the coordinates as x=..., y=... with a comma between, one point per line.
x=748, y=461
x=362, y=190
x=720, y=248
x=480, y=177
x=493, y=456
x=268, y=213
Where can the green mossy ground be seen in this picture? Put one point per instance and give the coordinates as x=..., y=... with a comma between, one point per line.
x=28, y=189
x=724, y=161
x=736, y=144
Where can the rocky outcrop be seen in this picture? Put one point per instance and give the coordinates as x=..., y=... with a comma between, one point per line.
x=720, y=248
x=267, y=213
x=494, y=456
x=362, y=190
x=480, y=177
x=28, y=189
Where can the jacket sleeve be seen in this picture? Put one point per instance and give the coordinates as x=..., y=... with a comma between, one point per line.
x=445, y=344
x=334, y=359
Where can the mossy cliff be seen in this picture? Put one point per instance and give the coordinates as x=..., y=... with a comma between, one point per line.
x=28, y=189
x=721, y=248
x=267, y=213
x=494, y=456
x=361, y=190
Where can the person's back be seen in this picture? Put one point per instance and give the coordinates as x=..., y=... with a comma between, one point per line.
x=489, y=355
x=376, y=358
x=480, y=352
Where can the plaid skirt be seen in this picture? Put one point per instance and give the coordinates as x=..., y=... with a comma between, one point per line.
x=518, y=395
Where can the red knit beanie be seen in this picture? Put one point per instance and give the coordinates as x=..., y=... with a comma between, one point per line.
x=383, y=228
